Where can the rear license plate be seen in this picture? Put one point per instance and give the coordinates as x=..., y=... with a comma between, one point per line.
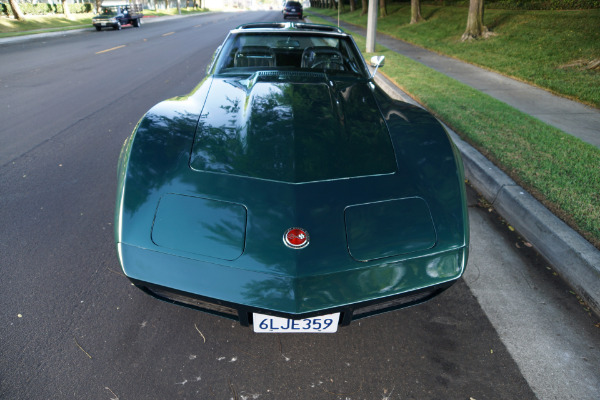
x=321, y=324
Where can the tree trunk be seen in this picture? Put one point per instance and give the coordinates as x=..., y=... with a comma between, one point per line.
x=66, y=10
x=475, y=28
x=382, y=8
x=352, y=7
x=415, y=12
x=341, y=6
x=16, y=10
x=365, y=7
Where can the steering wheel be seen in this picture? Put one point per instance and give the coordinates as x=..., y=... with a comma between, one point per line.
x=325, y=63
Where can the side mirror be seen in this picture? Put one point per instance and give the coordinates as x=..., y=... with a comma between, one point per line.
x=376, y=62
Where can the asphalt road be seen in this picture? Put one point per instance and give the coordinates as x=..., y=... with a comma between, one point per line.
x=73, y=327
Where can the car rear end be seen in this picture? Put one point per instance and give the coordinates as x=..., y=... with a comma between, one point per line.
x=292, y=9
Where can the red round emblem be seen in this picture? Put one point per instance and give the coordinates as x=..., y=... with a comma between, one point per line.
x=296, y=238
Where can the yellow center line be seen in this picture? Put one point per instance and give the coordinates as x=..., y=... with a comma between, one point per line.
x=167, y=34
x=114, y=48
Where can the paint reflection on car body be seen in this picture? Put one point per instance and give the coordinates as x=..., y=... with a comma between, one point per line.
x=277, y=137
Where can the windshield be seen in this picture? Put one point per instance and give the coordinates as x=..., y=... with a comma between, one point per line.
x=108, y=11
x=249, y=52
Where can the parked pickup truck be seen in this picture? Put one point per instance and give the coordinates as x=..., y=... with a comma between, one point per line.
x=117, y=13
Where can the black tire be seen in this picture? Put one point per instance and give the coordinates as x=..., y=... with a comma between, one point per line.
x=117, y=26
x=98, y=28
x=137, y=22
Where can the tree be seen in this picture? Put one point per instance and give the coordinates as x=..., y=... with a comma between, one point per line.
x=16, y=10
x=382, y=8
x=475, y=28
x=66, y=10
x=365, y=7
x=415, y=12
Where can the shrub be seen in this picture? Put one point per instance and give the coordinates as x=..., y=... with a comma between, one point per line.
x=46, y=9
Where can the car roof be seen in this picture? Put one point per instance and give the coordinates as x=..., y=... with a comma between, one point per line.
x=289, y=27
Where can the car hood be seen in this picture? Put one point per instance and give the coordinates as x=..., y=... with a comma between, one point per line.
x=292, y=127
x=275, y=151
x=210, y=184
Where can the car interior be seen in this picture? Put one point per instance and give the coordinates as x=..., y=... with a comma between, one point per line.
x=309, y=56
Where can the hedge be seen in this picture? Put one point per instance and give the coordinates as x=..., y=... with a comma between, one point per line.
x=45, y=9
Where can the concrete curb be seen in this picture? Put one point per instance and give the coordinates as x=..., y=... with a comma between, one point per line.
x=571, y=256
x=33, y=36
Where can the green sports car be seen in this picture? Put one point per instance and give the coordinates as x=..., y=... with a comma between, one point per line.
x=288, y=191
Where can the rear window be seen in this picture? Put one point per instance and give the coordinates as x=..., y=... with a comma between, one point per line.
x=293, y=4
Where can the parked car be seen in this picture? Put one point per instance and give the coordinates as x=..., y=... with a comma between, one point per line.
x=288, y=191
x=292, y=9
x=115, y=14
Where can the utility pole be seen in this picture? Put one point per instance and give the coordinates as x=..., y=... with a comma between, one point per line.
x=371, y=25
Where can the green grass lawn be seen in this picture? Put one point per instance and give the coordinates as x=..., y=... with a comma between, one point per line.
x=45, y=23
x=529, y=45
x=560, y=170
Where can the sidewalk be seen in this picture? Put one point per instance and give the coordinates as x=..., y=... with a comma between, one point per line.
x=567, y=115
x=573, y=257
